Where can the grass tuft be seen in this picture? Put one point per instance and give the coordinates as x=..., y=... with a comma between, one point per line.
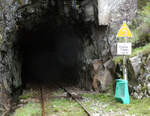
x=64, y=107
x=30, y=109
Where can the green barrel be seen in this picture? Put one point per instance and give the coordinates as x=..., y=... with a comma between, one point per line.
x=121, y=92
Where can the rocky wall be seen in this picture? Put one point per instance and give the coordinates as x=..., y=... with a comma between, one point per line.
x=10, y=66
x=139, y=81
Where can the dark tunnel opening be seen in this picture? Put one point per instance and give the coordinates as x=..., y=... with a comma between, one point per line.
x=50, y=55
x=53, y=42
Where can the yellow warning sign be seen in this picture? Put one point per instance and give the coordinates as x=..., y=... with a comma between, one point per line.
x=124, y=31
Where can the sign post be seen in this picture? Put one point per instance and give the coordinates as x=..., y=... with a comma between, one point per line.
x=122, y=92
x=124, y=48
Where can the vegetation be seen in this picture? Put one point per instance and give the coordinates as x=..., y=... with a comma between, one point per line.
x=28, y=94
x=64, y=107
x=142, y=3
x=59, y=106
x=144, y=50
x=30, y=109
x=141, y=25
x=54, y=106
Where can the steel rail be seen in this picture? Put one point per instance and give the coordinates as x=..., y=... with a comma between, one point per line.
x=42, y=101
x=75, y=99
x=70, y=95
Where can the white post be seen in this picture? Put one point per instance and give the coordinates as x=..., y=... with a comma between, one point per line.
x=124, y=64
x=124, y=68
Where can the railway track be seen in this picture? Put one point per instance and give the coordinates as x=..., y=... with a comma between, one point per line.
x=69, y=94
x=42, y=101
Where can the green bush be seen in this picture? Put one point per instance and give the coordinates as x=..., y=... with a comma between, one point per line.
x=145, y=13
x=142, y=3
x=141, y=26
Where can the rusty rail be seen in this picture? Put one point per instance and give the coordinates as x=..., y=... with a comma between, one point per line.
x=83, y=107
x=70, y=95
x=42, y=101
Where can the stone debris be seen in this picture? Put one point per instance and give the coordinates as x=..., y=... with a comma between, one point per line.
x=97, y=108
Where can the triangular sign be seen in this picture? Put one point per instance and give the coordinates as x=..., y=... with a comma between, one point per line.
x=124, y=31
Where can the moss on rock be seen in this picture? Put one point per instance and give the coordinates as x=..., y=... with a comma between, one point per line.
x=0, y=39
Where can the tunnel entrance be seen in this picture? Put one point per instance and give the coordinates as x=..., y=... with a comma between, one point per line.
x=49, y=55
x=55, y=42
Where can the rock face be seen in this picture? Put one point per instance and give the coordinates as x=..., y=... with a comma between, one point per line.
x=139, y=86
x=103, y=75
x=136, y=63
x=10, y=67
x=96, y=41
